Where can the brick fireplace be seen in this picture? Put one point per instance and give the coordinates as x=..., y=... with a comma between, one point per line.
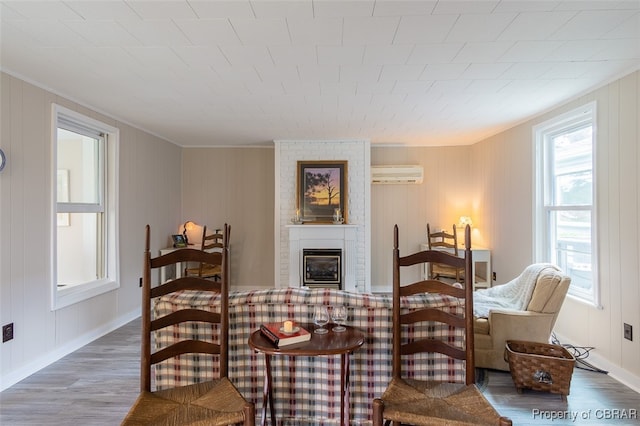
x=352, y=238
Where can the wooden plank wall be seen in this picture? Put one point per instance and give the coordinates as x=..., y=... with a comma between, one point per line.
x=503, y=169
x=149, y=187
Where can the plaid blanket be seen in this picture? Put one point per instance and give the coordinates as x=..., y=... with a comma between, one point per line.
x=307, y=387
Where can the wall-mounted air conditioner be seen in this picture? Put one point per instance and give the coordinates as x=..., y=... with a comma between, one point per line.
x=397, y=174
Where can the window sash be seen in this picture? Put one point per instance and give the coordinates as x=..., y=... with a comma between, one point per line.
x=105, y=209
x=568, y=251
x=80, y=208
x=71, y=206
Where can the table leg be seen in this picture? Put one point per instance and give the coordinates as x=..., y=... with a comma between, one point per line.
x=345, y=415
x=163, y=274
x=267, y=396
x=179, y=267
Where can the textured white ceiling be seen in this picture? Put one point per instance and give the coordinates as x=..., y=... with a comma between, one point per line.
x=227, y=73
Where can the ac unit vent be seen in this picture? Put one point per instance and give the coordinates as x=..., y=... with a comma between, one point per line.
x=396, y=174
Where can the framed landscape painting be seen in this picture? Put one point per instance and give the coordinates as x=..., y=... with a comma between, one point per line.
x=322, y=188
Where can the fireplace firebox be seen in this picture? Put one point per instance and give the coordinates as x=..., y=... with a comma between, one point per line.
x=322, y=268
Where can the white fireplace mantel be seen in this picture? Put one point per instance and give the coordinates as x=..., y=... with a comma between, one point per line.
x=319, y=236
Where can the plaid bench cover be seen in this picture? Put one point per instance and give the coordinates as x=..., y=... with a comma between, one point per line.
x=307, y=387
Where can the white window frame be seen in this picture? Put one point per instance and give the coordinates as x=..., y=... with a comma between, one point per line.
x=63, y=297
x=541, y=231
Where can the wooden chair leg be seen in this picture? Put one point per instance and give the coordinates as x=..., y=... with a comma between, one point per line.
x=378, y=406
x=505, y=421
x=249, y=411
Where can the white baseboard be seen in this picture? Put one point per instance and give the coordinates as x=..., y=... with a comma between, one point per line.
x=615, y=371
x=49, y=358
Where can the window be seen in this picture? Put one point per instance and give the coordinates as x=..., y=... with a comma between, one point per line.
x=84, y=194
x=565, y=191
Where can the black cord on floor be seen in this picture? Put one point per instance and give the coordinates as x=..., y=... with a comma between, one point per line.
x=580, y=353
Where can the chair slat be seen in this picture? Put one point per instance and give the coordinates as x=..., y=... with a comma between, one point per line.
x=432, y=256
x=431, y=345
x=186, y=283
x=432, y=286
x=184, y=316
x=185, y=255
x=433, y=314
x=185, y=347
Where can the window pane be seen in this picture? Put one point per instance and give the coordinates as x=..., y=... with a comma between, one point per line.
x=572, y=167
x=79, y=249
x=571, y=242
x=573, y=189
x=78, y=155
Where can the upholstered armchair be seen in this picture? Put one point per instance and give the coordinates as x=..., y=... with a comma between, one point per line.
x=540, y=290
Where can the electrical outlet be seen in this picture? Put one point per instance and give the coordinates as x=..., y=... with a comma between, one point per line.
x=628, y=332
x=7, y=332
x=493, y=276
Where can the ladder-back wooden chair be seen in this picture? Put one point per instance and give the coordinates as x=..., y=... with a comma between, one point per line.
x=210, y=243
x=445, y=241
x=215, y=402
x=411, y=401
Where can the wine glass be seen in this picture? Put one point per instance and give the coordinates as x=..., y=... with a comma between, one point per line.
x=320, y=318
x=339, y=315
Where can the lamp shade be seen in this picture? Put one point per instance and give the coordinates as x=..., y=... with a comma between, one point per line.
x=192, y=231
x=464, y=221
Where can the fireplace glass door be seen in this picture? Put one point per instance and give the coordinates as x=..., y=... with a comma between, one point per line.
x=322, y=268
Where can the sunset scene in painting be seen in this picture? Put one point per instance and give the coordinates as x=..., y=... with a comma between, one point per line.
x=322, y=187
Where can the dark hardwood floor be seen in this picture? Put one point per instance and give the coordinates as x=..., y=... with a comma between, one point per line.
x=97, y=384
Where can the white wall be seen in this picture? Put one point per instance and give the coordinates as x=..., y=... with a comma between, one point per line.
x=149, y=179
x=234, y=186
x=503, y=175
x=440, y=200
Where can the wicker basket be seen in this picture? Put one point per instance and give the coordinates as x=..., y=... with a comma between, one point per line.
x=540, y=366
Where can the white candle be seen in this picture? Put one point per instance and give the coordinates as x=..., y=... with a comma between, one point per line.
x=288, y=326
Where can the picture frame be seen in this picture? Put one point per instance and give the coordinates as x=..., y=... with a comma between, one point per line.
x=178, y=241
x=321, y=189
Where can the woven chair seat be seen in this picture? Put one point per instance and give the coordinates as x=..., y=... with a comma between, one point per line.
x=209, y=403
x=426, y=403
x=207, y=271
x=439, y=270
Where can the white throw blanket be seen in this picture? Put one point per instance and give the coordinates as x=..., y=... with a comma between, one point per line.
x=514, y=295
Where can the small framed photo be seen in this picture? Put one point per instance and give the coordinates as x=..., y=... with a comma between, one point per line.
x=178, y=241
